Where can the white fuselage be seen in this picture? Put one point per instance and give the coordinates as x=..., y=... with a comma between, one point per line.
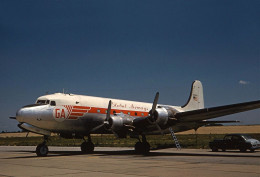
x=77, y=113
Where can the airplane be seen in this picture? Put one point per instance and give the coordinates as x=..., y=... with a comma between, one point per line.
x=78, y=116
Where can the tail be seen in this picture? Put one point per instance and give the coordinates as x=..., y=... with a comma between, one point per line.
x=196, y=100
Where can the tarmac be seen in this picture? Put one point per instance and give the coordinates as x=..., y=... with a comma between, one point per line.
x=115, y=161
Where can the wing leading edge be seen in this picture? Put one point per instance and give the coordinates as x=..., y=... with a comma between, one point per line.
x=210, y=113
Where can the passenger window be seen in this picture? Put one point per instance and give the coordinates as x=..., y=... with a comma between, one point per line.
x=48, y=102
x=53, y=103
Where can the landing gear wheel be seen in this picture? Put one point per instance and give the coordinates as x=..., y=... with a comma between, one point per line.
x=87, y=147
x=142, y=148
x=138, y=147
x=42, y=150
x=146, y=147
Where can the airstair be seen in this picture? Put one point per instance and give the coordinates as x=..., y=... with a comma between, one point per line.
x=178, y=146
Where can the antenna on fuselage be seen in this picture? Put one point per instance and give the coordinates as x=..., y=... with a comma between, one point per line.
x=64, y=91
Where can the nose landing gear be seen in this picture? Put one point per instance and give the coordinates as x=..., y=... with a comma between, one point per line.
x=42, y=149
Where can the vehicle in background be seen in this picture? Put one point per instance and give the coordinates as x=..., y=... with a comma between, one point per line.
x=243, y=142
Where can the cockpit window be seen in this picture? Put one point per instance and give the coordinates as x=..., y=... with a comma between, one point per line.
x=41, y=101
x=53, y=103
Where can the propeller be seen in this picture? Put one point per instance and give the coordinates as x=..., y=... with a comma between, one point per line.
x=155, y=101
x=153, y=110
x=108, y=112
x=107, y=118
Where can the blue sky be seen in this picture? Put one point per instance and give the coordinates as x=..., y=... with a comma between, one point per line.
x=129, y=49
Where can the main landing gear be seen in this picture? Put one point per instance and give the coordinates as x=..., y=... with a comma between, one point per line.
x=87, y=147
x=142, y=147
x=42, y=149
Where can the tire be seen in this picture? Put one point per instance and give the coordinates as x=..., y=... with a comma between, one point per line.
x=138, y=147
x=142, y=148
x=242, y=149
x=146, y=147
x=252, y=150
x=42, y=150
x=87, y=147
x=214, y=149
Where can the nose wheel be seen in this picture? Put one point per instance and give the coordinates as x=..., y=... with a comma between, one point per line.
x=42, y=149
x=87, y=147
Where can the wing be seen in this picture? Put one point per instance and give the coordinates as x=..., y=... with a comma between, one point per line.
x=210, y=113
x=182, y=121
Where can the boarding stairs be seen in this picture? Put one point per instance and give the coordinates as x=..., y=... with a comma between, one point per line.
x=178, y=146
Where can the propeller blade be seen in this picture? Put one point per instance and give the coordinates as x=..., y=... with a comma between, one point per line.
x=107, y=118
x=108, y=110
x=155, y=103
x=97, y=127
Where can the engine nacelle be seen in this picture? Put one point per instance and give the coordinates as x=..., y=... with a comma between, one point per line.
x=118, y=124
x=163, y=114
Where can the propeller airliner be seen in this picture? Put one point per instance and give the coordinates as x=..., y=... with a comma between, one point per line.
x=78, y=116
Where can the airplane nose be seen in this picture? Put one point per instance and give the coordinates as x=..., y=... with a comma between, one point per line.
x=25, y=114
x=33, y=113
x=19, y=115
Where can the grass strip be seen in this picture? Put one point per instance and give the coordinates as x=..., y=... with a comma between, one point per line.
x=199, y=141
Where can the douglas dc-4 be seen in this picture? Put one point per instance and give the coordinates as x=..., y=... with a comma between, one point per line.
x=78, y=116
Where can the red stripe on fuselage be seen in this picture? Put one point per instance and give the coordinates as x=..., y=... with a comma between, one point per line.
x=81, y=107
x=79, y=111
x=76, y=114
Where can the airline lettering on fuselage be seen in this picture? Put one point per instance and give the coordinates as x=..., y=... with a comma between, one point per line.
x=60, y=113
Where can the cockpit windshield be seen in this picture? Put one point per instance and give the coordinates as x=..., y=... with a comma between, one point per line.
x=42, y=101
x=52, y=103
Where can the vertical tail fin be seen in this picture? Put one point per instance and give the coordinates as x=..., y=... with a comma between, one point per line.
x=196, y=100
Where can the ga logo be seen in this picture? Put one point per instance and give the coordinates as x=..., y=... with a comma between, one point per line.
x=60, y=113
